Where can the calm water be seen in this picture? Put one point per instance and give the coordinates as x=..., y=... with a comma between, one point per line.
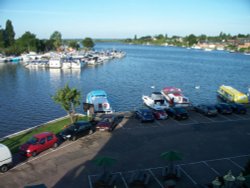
x=25, y=94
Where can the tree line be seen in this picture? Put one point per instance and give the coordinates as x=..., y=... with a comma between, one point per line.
x=188, y=40
x=29, y=42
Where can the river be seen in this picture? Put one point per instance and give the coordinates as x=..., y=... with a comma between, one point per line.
x=25, y=94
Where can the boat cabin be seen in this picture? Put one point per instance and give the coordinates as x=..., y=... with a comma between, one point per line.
x=230, y=94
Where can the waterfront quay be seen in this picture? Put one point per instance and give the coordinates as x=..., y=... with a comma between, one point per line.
x=210, y=146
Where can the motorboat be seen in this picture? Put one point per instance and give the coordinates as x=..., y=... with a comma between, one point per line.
x=175, y=97
x=230, y=94
x=99, y=99
x=55, y=63
x=156, y=101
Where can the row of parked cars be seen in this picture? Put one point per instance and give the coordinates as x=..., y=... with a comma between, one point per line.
x=180, y=113
x=43, y=141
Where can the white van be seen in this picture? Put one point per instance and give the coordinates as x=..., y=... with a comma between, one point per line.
x=5, y=158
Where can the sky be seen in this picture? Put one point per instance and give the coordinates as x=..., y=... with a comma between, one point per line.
x=126, y=18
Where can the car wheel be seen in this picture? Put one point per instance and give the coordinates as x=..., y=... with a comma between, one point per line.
x=73, y=138
x=34, y=153
x=4, y=168
x=55, y=145
x=91, y=131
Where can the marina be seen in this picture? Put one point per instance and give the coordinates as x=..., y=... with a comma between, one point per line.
x=198, y=73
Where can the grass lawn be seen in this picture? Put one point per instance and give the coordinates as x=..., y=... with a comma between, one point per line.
x=55, y=127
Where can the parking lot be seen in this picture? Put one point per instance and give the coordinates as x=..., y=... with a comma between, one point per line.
x=194, y=174
x=210, y=146
x=194, y=118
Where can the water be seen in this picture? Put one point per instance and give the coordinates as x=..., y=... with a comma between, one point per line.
x=25, y=94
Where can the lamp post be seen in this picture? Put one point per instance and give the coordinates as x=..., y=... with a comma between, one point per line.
x=240, y=179
x=216, y=183
x=229, y=180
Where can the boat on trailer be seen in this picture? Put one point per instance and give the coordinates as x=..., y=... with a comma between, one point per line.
x=99, y=99
x=175, y=97
x=156, y=101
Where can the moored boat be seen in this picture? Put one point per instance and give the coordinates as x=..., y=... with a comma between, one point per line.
x=230, y=94
x=156, y=101
x=175, y=97
x=99, y=99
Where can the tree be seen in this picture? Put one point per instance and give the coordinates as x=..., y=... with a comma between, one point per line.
x=9, y=34
x=27, y=42
x=191, y=39
x=68, y=99
x=88, y=43
x=1, y=38
x=56, y=37
x=73, y=44
x=135, y=37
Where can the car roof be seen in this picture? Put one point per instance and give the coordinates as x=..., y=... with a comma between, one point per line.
x=81, y=123
x=42, y=135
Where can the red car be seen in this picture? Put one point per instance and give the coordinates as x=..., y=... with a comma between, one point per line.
x=108, y=122
x=160, y=114
x=39, y=143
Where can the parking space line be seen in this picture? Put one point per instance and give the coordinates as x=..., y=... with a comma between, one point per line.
x=156, y=179
x=236, y=164
x=90, y=182
x=215, y=171
x=210, y=119
x=193, y=181
x=225, y=116
x=158, y=123
x=241, y=117
x=123, y=179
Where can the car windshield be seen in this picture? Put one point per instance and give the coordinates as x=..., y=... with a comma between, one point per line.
x=180, y=110
x=210, y=107
x=33, y=140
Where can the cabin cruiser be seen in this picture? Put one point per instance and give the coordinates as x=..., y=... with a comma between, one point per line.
x=55, y=63
x=100, y=101
x=156, y=101
x=175, y=97
x=230, y=94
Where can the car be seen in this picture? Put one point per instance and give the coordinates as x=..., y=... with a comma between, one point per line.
x=238, y=108
x=178, y=113
x=144, y=115
x=108, y=122
x=38, y=143
x=224, y=108
x=77, y=130
x=160, y=114
x=208, y=110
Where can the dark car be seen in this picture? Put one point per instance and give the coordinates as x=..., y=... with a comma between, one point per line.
x=178, y=113
x=160, y=114
x=208, y=110
x=77, y=130
x=238, y=108
x=224, y=108
x=108, y=122
x=39, y=143
x=145, y=115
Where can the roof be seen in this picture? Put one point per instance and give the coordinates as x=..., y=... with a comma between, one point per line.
x=41, y=135
x=231, y=90
x=97, y=92
x=171, y=90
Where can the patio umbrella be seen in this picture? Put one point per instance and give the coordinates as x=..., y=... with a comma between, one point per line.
x=171, y=156
x=104, y=161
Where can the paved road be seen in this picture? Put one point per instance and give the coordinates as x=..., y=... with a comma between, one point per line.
x=138, y=146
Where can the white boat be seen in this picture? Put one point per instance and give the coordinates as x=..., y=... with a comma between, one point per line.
x=156, y=101
x=175, y=97
x=100, y=101
x=55, y=63
x=77, y=64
